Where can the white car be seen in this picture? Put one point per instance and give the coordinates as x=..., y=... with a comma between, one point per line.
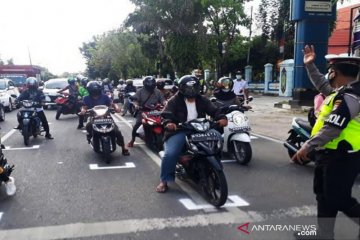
x=8, y=94
x=50, y=89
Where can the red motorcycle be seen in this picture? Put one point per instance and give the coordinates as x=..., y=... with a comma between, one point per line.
x=67, y=105
x=153, y=131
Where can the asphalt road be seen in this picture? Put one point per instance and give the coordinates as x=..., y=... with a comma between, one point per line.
x=66, y=191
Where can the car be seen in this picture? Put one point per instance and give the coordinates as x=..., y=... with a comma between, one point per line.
x=137, y=82
x=8, y=94
x=51, y=88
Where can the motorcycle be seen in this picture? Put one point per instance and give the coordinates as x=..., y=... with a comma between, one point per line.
x=5, y=172
x=298, y=134
x=30, y=123
x=130, y=97
x=151, y=130
x=121, y=96
x=200, y=159
x=237, y=133
x=66, y=105
x=103, y=138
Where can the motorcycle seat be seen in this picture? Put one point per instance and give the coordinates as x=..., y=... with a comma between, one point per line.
x=304, y=124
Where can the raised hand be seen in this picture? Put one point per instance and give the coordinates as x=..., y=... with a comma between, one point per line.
x=309, y=54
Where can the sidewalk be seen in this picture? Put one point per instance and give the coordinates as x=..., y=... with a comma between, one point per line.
x=270, y=121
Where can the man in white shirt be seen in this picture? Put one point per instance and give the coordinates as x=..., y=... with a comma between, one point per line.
x=241, y=87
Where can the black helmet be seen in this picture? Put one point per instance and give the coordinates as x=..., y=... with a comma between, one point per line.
x=71, y=80
x=121, y=82
x=160, y=84
x=84, y=81
x=129, y=82
x=149, y=83
x=94, y=88
x=225, y=84
x=189, y=86
x=31, y=83
x=106, y=81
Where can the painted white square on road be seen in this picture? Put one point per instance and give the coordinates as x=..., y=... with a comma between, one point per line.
x=236, y=201
x=127, y=165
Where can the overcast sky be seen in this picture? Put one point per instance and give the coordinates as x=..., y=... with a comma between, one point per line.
x=53, y=30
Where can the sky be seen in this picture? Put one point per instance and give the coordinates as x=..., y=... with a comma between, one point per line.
x=53, y=30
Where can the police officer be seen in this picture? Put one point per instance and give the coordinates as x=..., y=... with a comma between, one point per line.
x=334, y=139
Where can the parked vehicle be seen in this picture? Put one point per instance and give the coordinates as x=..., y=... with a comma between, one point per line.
x=298, y=134
x=200, y=160
x=65, y=106
x=30, y=124
x=8, y=94
x=152, y=129
x=237, y=133
x=5, y=172
x=2, y=113
x=103, y=139
x=51, y=88
x=137, y=82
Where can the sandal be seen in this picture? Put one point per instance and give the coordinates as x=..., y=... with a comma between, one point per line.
x=162, y=188
x=125, y=152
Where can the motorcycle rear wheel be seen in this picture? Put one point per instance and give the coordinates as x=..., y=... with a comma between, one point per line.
x=106, y=150
x=242, y=152
x=215, y=187
x=58, y=112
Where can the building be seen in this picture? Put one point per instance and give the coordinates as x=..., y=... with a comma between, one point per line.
x=339, y=40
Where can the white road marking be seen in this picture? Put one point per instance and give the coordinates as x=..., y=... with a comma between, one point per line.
x=60, y=162
x=6, y=136
x=1, y=214
x=228, y=161
x=268, y=138
x=236, y=201
x=7, y=148
x=83, y=230
x=253, y=137
x=127, y=165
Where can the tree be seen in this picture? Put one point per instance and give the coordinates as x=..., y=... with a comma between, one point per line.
x=10, y=61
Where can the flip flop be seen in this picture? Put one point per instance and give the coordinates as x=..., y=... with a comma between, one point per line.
x=162, y=188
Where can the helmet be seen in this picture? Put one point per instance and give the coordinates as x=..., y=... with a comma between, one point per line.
x=84, y=81
x=160, y=84
x=71, y=81
x=149, y=83
x=225, y=84
x=31, y=83
x=189, y=86
x=79, y=77
x=129, y=82
x=106, y=81
x=94, y=88
x=347, y=65
x=121, y=81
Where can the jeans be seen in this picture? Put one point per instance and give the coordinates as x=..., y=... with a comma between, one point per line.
x=173, y=147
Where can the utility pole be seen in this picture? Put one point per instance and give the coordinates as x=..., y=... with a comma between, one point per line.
x=248, y=55
x=29, y=56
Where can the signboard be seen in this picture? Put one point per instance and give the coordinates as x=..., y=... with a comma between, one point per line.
x=318, y=6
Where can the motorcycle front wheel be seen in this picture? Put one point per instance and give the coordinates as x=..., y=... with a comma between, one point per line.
x=215, y=187
x=26, y=134
x=242, y=152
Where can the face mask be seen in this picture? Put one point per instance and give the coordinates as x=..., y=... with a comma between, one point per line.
x=238, y=77
x=225, y=90
x=331, y=78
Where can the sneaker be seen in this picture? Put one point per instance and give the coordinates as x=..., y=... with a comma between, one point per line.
x=48, y=136
x=80, y=126
x=17, y=127
x=10, y=187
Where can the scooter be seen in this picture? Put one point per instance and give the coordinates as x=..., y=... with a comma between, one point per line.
x=103, y=138
x=298, y=134
x=151, y=130
x=30, y=121
x=65, y=106
x=200, y=159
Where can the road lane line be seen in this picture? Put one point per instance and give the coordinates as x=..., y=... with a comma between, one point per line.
x=1, y=214
x=6, y=136
x=7, y=148
x=96, y=166
x=268, y=138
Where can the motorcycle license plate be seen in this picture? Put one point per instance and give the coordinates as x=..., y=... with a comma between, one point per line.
x=199, y=137
x=155, y=113
x=102, y=121
x=240, y=129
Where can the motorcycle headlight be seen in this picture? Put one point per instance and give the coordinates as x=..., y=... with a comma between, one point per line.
x=201, y=127
x=239, y=119
x=193, y=147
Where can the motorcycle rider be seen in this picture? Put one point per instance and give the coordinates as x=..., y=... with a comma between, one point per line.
x=148, y=95
x=107, y=86
x=33, y=93
x=83, y=92
x=224, y=93
x=128, y=89
x=95, y=98
x=186, y=104
x=73, y=91
x=160, y=84
x=335, y=139
x=241, y=88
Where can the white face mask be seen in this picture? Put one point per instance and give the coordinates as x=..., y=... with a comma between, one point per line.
x=238, y=77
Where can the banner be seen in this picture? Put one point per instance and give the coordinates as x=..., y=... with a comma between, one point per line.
x=356, y=35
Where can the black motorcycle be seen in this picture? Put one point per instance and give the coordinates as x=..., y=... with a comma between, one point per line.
x=30, y=124
x=5, y=172
x=200, y=159
x=103, y=138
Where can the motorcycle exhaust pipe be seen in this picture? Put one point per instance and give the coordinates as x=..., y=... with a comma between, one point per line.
x=290, y=147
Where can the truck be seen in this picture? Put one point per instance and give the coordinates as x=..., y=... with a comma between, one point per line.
x=19, y=73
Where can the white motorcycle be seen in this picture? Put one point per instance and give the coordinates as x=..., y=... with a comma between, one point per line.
x=237, y=133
